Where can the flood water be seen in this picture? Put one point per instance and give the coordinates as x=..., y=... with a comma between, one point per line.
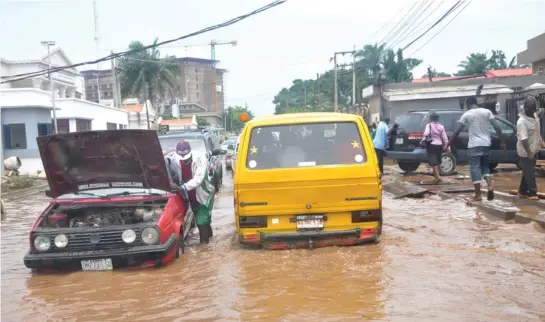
x=437, y=261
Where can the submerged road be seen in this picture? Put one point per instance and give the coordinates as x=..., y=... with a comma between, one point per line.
x=438, y=261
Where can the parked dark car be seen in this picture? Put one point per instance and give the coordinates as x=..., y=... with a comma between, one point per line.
x=407, y=152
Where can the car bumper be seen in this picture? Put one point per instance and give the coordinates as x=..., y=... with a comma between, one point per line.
x=131, y=257
x=418, y=155
x=312, y=239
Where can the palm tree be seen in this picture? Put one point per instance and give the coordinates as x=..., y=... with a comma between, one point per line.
x=474, y=64
x=397, y=68
x=145, y=74
x=370, y=59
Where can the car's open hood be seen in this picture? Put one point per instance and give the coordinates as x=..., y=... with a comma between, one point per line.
x=100, y=159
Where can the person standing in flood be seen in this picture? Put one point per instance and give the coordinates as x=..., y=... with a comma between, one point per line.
x=478, y=120
x=436, y=145
x=529, y=142
x=195, y=183
x=380, y=142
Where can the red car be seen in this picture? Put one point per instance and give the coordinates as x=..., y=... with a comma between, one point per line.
x=112, y=206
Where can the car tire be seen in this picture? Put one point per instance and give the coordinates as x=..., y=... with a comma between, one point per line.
x=492, y=166
x=448, y=164
x=408, y=167
x=180, y=249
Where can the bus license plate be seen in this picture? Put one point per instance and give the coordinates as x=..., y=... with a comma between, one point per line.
x=399, y=141
x=310, y=222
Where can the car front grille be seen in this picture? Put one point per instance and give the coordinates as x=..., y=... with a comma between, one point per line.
x=86, y=241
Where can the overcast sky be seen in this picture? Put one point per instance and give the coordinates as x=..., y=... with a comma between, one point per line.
x=293, y=40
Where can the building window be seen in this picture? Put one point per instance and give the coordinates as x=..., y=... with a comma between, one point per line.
x=196, y=70
x=196, y=78
x=83, y=125
x=14, y=136
x=197, y=94
x=197, y=86
x=45, y=129
x=63, y=126
x=111, y=126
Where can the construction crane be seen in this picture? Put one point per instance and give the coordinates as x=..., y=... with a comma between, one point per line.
x=213, y=45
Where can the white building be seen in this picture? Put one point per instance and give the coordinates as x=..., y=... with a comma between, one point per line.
x=26, y=108
x=137, y=115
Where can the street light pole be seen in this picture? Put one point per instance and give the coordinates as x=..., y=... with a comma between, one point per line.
x=51, y=84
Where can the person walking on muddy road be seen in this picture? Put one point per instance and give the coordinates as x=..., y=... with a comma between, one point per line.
x=195, y=183
x=478, y=120
x=529, y=142
x=380, y=142
x=436, y=143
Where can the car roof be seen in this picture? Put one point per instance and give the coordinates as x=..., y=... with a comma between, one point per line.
x=294, y=118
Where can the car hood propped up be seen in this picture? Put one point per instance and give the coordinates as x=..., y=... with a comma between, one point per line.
x=102, y=159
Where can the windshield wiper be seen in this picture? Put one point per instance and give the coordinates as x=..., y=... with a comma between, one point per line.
x=130, y=193
x=89, y=194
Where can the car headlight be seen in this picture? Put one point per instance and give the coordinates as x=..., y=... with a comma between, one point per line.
x=128, y=236
x=150, y=235
x=61, y=241
x=42, y=243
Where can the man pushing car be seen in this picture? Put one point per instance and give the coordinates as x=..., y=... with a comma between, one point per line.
x=192, y=179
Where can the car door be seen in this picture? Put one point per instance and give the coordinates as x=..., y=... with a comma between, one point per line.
x=497, y=155
x=450, y=121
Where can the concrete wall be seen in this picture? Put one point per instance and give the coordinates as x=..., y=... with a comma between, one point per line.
x=535, y=51
x=30, y=116
x=538, y=67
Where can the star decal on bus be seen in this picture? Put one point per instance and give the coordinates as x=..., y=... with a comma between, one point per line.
x=355, y=144
x=254, y=150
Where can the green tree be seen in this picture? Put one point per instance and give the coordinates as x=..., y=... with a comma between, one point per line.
x=202, y=121
x=232, y=117
x=398, y=69
x=474, y=64
x=147, y=75
x=497, y=60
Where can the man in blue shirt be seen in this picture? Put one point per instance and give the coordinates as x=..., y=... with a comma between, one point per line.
x=380, y=141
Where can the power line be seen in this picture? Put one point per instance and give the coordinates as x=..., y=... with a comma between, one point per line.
x=445, y=26
x=409, y=23
x=435, y=24
x=389, y=21
x=397, y=24
x=23, y=76
x=414, y=31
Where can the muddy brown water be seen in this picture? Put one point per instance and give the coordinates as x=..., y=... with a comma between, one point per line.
x=438, y=261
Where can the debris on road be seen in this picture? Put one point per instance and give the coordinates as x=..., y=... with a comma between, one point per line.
x=402, y=189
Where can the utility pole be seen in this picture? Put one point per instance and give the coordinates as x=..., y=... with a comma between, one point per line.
x=117, y=99
x=354, y=80
x=335, y=94
x=51, y=83
x=95, y=17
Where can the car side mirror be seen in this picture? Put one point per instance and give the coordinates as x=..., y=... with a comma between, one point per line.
x=48, y=193
x=216, y=152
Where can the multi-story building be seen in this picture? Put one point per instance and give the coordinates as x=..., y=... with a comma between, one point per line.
x=99, y=84
x=534, y=54
x=196, y=89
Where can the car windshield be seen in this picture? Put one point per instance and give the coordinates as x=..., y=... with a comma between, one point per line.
x=228, y=142
x=112, y=192
x=168, y=143
x=305, y=145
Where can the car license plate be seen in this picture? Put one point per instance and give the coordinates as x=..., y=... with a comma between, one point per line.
x=104, y=264
x=399, y=141
x=310, y=222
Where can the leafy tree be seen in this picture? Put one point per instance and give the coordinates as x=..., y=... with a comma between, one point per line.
x=475, y=63
x=147, y=75
x=497, y=60
x=202, y=121
x=232, y=117
x=397, y=68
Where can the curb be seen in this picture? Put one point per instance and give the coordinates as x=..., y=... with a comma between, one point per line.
x=25, y=192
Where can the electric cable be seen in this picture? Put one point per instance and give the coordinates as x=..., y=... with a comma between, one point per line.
x=383, y=41
x=409, y=23
x=444, y=27
x=232, y=21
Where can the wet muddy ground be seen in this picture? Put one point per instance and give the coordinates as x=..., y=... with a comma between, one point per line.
x=437, y=261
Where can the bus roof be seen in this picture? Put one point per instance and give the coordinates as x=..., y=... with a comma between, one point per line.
x=295, y=118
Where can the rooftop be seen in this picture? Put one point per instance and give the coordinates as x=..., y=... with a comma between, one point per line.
x=133, y=107
x=490, y=74
x=188, y=120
